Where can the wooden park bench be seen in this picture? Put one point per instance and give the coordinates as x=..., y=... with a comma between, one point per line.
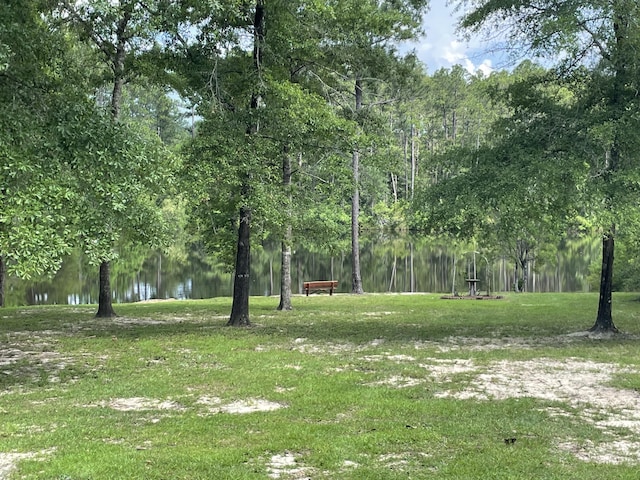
x=320, y=285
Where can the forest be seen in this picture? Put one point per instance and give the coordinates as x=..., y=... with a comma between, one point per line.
x=161, y=123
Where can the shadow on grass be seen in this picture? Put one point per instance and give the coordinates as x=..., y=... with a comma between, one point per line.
x=355, y=319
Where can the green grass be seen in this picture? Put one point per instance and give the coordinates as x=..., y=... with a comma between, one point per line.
x=354, y=376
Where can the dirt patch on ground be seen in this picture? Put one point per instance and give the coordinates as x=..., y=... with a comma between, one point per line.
x=574, y=381
x=32, y=361
x=285, y=465
x=9, y=461
x=140, y=404
x=216, y=405
x=488, y=344
x=212, y=405
x=330, y=348
x=449, y=344
x=582, y=385
x=397, y=381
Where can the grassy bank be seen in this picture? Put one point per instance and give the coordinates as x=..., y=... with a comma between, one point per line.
x=343, y=387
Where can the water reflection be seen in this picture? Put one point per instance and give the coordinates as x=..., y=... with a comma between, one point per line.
x=388, y=265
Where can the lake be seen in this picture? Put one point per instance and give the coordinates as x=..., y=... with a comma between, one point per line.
x=388, y=265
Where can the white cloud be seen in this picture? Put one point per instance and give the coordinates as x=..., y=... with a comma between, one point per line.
x=454, y=52
x=485, y=67
x=442, y=47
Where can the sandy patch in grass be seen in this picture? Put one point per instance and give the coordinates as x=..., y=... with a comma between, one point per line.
x=20, y=362
x=393, y=358
x=574, y=381
x=213, y=404
x=614, y=452
x=327, y=348
x=445, y=345
x=171, y=319
x=397, y=381
x=9, y=356
x=9, y=461
x=139, y=404
x=332, y=348
x=285, y=465
x=582, y=384
x=488, y=344
x=249, y=405
x=439, y=369
x=443, y=369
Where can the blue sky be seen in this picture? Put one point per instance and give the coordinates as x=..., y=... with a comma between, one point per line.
x=443, y=47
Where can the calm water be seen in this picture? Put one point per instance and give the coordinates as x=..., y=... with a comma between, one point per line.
x=388, y=265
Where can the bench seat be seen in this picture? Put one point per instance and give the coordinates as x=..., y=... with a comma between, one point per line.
x=320, y=285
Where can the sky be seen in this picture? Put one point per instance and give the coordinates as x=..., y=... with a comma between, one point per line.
x=442, y=47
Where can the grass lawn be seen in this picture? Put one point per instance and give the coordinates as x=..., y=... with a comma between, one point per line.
x=343, y=387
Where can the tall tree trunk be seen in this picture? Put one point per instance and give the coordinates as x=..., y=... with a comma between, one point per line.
x=405, y=149
x=604, y=319
x=116, y=96
x=285, y=272
x=525, y=275
x=3, y=279
x=413, y=159
x=394, y=186
x=105, y=308
x=444, y=123
x=356, y=279
x=242, y=281
x=622, y=27
x=523, y=262
x=453, y=282
x=118, y=66
x=285, y=275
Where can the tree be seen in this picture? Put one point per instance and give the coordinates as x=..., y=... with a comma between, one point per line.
x=34, y=180
x=228, y=151
x=598, y=42
x=504, y=193
x=264, y=112
x=361, y=43
x=241, y=284
x=118, y=33
x=157, y=109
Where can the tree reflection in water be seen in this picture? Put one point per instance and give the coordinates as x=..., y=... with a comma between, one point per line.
x=388, y=265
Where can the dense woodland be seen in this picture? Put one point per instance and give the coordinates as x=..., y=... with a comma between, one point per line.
x=161, y=122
